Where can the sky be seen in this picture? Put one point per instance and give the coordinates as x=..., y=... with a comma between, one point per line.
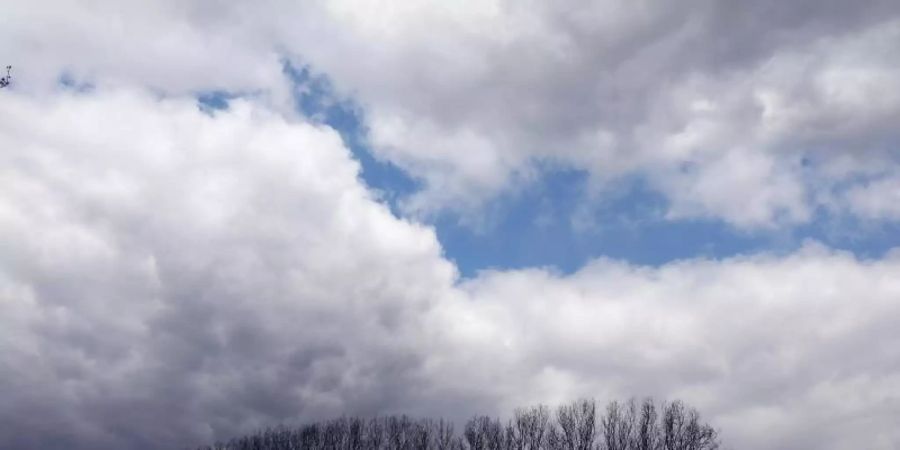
x=220, y=216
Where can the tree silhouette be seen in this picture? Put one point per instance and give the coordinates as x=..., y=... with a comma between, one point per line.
x=5, y=81
x=577, y=426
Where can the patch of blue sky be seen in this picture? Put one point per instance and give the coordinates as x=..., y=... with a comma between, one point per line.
x=316, y=98
x=554, y=222
x=210, y=101
x=865, y=238
x=68, y=82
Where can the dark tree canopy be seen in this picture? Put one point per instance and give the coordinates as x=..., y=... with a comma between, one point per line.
x=576, y=426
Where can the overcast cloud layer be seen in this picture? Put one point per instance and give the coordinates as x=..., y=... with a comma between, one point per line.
x=171, y=276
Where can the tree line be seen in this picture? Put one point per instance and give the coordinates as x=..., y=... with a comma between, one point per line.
x=630, y=425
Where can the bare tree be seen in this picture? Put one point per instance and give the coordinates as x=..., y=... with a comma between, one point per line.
x=624, y=426
x=616, y=428
x=355, y=430
x=484, y=433
x=554, y=439
x=700, y=436
x=682, y=430
x=444, y=437
x=398, y=433
x=310, y=436
x=531, y=427
x=5, y=81
x=374, y=437
x=647, y=427
x=578, y=424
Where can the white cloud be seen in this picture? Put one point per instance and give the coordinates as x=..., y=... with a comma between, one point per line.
x=784, y=352
x=471, y=96
x=168, y=276
x=174, y=277
x=177, y=274
x=472, y=101
x=879, y=199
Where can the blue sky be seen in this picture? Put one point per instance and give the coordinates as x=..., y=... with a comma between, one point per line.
x=554, y=220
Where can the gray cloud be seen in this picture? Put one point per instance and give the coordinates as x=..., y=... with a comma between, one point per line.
x=795, y=99
x=784, y=352
x=477, y=99
x=170, y=277
x=180, y=277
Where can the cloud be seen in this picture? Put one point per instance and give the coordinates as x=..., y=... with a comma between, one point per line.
x=878, y=199
x=787, y=351
x=472, y=98
x=175, y=277
x=170, y=46
x=716, y=105
x=171, y=276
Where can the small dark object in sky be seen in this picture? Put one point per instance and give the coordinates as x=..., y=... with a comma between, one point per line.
x=5, y=81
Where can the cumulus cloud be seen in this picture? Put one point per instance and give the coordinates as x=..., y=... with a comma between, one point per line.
x=878, y=199
x=473, y=98
x=715, y=104
x=175, y=277
x=171, y=276
x=789, y=351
